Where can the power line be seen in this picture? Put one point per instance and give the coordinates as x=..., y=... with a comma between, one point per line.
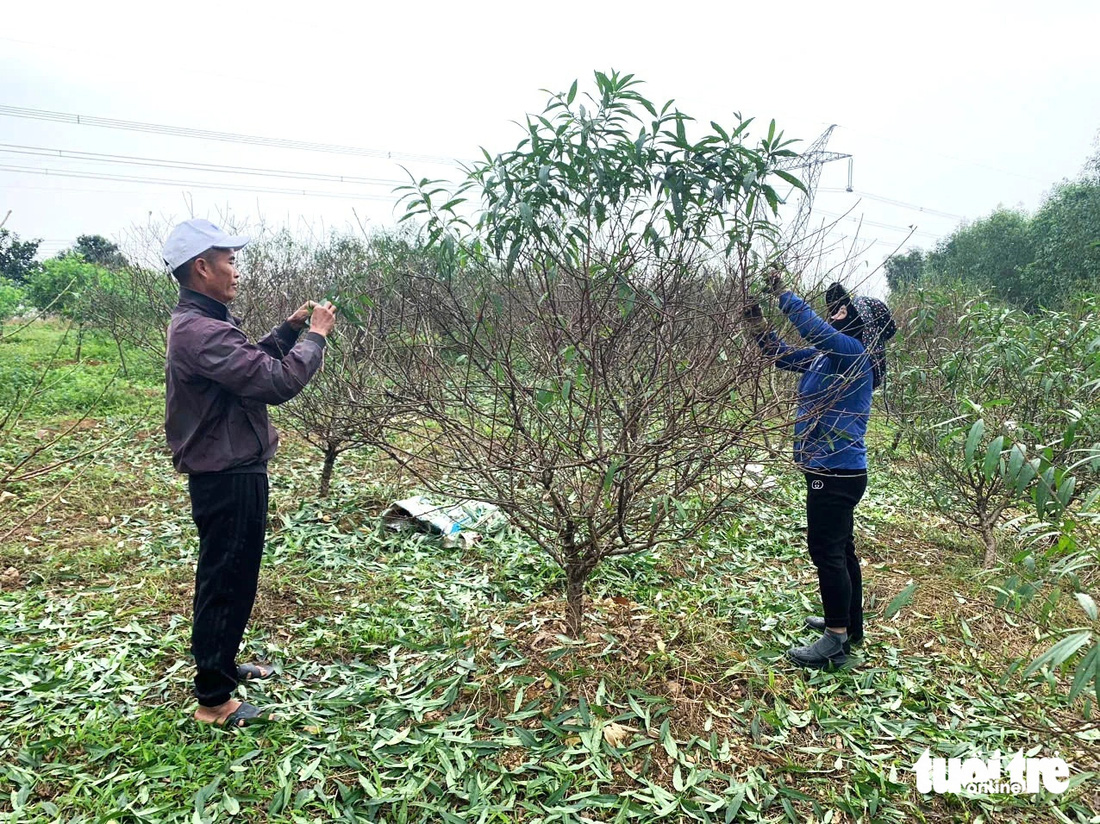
x=132, y=160
x=282, y=81
x=879, y=225
x=225, y=137
x=75, y=190
x=892, y=202
x=340, y=195
x=187, y=184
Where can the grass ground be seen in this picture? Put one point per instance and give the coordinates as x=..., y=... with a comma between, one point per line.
x=426, y=684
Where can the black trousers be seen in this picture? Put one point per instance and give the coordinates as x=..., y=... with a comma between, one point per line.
x=830, y=508
x=230, y=512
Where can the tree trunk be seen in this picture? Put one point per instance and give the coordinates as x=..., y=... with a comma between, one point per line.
x=574, y=597
x=326, y=472
x=576, y=572
x=79, y=340
x=896, y=442
x=990, y=541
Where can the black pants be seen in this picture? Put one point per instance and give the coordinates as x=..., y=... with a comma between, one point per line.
x=230, y=512
x=830, y=506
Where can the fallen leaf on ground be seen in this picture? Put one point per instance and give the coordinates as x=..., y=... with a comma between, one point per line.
x=616, y=734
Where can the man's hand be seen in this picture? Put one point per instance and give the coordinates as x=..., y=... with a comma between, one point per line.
x=301, y=315
x=323, y=318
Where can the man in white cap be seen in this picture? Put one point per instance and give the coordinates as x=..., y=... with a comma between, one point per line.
x=218, y=387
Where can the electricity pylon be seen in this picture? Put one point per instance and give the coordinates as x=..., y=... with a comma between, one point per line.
x=807, y=168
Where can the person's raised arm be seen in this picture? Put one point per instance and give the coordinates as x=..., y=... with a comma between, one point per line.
x=783, y=356
x=222, y=353
x=815, y=331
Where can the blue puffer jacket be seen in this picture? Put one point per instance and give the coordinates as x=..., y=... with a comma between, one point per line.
x=834, y=393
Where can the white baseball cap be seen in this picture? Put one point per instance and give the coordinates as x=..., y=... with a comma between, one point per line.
x=193, y=237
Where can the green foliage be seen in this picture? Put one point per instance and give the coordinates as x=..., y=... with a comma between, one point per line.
x=422, y=684
x=618, y=167
x=426, y=685
x=70, y=388
x=1048, y=260
x=12, y=299
x=1003, y=412
x=607, y=252
x=1064, y=235
x=98, y=250
x=1002, y=406
x=60, y=286
x=992, y=255
x=17, y=261
x=904, y=271
x=1054, y=564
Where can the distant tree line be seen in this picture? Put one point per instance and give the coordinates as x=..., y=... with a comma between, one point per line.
x=77, y=284
x=1046, y=260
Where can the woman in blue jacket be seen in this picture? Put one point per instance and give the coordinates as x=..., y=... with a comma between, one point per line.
x=834, y=405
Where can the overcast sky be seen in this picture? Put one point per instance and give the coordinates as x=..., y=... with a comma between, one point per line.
x=950, y=109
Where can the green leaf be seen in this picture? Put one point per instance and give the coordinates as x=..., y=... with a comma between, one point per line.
x=1015, y=463
x=733, y=807
x=1070, y=435
x=771, y=197
x=1088, y=604
x=667, y=741
x=1042, y=492
x=900, y=600
x=1086, y=672
x=1060, y=652
x=992, y=456
x=1096, y=676
x=976, y=432
x=572, y=94
x=1065, y=490
x=1027, y=474
x=794, y=181
x=609, y=475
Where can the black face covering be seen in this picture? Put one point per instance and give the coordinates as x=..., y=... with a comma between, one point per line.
x=837, y=296
x=852, y=326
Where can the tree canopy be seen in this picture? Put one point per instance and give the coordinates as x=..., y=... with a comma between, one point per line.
x=1046, y=260
x=98, y=250
x=17, y=257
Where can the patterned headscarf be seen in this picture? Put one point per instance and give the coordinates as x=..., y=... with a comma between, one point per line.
x=876, y=326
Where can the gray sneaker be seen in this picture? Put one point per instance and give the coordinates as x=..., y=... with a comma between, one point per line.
x=827, y=652
x=817, y=623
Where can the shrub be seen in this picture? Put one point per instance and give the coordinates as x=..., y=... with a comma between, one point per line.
x=1001, y=408
x=576, y=357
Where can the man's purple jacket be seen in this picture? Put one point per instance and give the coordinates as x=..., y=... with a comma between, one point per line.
x=219, y=385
